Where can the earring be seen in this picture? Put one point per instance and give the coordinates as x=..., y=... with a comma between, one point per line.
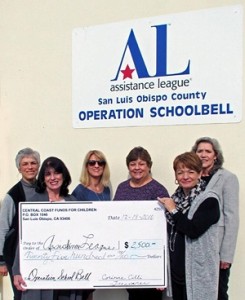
x=176, y=181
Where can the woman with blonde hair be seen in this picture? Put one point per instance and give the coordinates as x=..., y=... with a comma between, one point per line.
x=94, y=179
x=93, y=186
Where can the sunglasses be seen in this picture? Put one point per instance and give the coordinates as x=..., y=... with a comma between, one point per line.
x=101, y=163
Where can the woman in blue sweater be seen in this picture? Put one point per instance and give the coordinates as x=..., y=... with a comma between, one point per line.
x=93, y=186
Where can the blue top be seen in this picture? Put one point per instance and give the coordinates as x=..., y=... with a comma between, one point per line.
x=82, y=193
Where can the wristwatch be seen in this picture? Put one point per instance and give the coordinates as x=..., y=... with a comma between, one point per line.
x=173, y=211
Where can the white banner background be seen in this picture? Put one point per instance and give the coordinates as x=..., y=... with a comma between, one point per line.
x=211, y=92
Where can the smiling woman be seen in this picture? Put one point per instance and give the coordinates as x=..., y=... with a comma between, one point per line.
x=53, y=180
x=52, y=185
x=210, y=153
x=140, y=186
x=93, y=186
x=27, y=162
x=94, y=179
x=192, y=215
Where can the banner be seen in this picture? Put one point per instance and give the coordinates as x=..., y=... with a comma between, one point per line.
x=183, y=68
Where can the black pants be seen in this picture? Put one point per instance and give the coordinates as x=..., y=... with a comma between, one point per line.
x=65, y=294
x=179, y=291
x=17, y=294
x=144, y=294
x=223, y=284
x=86, y=293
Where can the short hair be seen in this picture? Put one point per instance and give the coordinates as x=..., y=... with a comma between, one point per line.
x=58, y=165
x=85, y=178
x=139, y=153
x=217, y=149
x=189, y=160
x=24, y=153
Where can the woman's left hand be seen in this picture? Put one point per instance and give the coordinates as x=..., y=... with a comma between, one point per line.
x=19, y=283
x=224, y=265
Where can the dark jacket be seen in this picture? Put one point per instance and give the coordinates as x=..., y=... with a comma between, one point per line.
x=10, y=244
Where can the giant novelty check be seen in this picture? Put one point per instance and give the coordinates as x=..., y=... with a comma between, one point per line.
x=103, y=244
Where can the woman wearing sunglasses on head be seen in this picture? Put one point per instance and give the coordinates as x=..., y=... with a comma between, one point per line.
x=94, y=186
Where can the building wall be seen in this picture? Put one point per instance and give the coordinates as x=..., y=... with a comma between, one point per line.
x=35, y=102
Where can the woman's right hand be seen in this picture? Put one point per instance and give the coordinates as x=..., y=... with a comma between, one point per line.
x=3, y=270
x=168, y=203
x=19, y=283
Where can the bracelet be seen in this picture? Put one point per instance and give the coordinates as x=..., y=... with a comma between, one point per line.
x=173, y=211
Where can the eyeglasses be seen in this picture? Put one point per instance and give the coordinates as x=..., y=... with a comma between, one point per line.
x=101, y=163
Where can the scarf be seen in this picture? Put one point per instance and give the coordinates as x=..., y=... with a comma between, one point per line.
x=183, y=202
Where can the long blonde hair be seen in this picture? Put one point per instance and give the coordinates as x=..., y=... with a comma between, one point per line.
x=85, y=178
